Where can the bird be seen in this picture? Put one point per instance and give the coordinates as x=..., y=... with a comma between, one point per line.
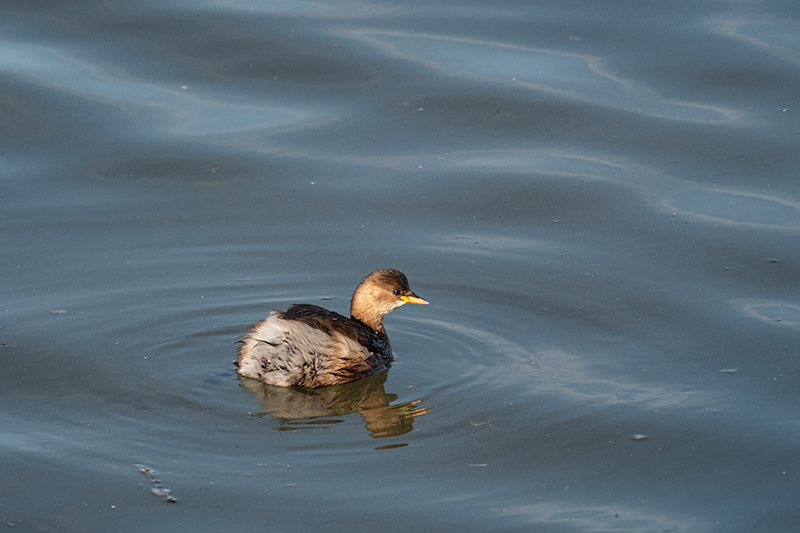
x=309, y=346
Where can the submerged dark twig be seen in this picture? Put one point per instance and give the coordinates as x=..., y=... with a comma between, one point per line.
x=158, y=490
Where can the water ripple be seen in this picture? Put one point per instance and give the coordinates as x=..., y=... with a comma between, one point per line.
x=569, y=75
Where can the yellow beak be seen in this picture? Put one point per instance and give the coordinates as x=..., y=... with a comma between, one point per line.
x=414, y=300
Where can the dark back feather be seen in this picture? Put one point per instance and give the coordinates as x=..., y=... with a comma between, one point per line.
x=332, y=322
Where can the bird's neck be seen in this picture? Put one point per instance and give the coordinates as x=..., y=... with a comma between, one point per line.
x=373, y=320
x=362, y=309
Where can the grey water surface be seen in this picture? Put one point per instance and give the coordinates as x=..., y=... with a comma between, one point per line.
x=599, y=199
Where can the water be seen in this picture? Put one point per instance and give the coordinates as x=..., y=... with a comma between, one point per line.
x=599, y=201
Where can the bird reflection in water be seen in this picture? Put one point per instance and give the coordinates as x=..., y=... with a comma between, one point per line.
x=301, y=408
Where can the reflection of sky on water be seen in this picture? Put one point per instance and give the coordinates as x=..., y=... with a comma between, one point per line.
x=738, y=208
x=541, y=370
x=729, y=206
x=775, y=36
x=617, y=517
x=577, y=77
x=775, y=312
x=182, y=110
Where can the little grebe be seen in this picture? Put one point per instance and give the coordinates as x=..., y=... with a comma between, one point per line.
x=309, y=346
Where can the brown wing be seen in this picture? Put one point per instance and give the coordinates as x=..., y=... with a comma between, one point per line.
x=331, y=322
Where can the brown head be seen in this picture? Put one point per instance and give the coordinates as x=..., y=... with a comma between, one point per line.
x=380, y=293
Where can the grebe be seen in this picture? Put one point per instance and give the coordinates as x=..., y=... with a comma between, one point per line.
x=309, y=346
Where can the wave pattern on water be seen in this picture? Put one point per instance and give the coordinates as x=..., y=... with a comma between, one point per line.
x=599, y=202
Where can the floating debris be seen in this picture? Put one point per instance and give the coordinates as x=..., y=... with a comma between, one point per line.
x=158, y=490
x=729, y=370
x=487, y=423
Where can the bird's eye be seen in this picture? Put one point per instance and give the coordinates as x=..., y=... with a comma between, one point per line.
x=396, y=292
